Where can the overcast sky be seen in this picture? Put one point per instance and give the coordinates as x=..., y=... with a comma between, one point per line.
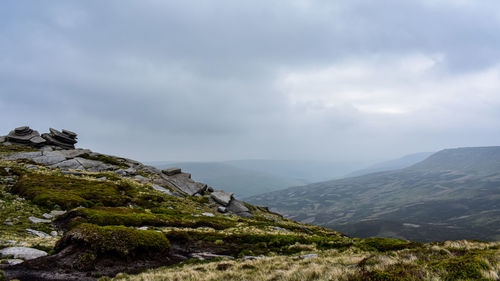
x=344, y=80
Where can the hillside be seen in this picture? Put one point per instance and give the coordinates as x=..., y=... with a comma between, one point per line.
x=453, y=194
x=395, y=164
x=74, y=214
x=242, y=182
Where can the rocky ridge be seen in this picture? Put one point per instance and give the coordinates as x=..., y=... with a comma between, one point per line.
x=57, y=151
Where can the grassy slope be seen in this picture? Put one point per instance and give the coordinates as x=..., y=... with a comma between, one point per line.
x=454, y=194
x=179, y=220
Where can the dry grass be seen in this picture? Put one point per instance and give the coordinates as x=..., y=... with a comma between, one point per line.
x=330, y=265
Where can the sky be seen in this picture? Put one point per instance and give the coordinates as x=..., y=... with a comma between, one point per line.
x=343, y=80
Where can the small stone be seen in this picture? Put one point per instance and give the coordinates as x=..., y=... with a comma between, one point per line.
x=210, y=189
x=207, y=256
x=31, y=167
x=102, y=178
x=8, y=223
x=309, y=256
x=38, y=220
x=22, y=253
x=207, y=214
x=47, y=216
x=143, y=228
x=11, y=241
x=20, y=199
x=38, y=233
x=56, y=213
x=13, y=261
x=245, y=258
x=280, y=228
x=53, y=233
x=221, y=209
x=71, y=172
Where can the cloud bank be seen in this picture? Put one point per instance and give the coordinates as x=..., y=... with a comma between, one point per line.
x=214, y=80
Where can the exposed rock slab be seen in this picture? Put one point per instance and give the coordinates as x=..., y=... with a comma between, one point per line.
x=185, y=184
x=222, y=197
x=22, y=253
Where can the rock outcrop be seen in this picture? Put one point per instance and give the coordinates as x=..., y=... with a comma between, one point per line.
x=65, y=139
x=57, y=150
x=25, y=135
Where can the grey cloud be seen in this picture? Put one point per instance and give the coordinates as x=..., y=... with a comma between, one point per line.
x=198, y=79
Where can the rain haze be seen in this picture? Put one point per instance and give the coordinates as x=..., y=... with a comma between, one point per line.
x=220, y=80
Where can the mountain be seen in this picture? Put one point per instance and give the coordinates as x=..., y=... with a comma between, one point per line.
x=243, y=182
x=396, y=164
x=453, y=194
x=303, y=170
x=74, y=214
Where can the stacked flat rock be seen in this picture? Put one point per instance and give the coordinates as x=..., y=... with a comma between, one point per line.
x=25, y=135
x=65, y=139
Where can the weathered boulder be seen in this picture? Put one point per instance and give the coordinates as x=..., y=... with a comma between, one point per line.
x=184, y=183
x=22, y=253
x=222, y=197
x=65, y=139
x=238, y=208
x=171, y=171
x=25, y=135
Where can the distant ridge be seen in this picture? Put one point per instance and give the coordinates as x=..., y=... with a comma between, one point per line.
x=453, y=194
x=400, y=163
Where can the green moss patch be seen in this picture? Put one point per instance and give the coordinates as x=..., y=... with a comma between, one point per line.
x=239, y=244
x=105, y=159
x=387, y=244
x=69, y=192
x=139, y=217
x=467, y=267
x=14, y=148
x=121, y=240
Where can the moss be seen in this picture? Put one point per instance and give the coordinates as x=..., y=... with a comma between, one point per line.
x=138, y=217
x=112, y=216
x=121, y=240
x=387, y=244
x=467, y=267
x=14, y=148
x=105, y=159
x=246, y=243
x=199, y=199
x=69, y=192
